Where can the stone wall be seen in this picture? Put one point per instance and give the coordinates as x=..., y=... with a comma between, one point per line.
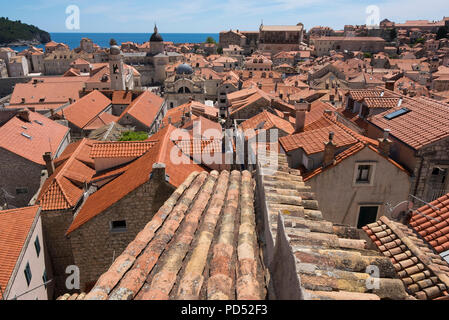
x=55, y=225
x=430, y=157
x=17, y=172
x=7, y=84
x=94, y=244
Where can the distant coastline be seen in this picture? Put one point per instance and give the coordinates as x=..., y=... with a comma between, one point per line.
x=73, y=39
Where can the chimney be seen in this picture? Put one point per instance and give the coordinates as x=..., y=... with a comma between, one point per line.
x=300, y=119
x=389, y=85
x=49, y=164
x=24, y=115
x=329, y=151
x=158, y=172
x=385, y=143
x=169, y=120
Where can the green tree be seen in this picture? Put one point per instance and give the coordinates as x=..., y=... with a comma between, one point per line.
x=134, y=136
x=210, y=40
x=441, y=33
x=220, y=50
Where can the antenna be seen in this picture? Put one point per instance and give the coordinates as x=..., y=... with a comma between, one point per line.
x=422, y=214
x=400, y=210
x=44, y=284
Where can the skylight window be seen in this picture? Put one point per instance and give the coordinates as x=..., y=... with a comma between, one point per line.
x=38, y=122
x=26, y=135
x=396, y=113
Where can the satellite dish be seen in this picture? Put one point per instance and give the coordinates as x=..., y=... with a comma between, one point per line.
x=401, y=210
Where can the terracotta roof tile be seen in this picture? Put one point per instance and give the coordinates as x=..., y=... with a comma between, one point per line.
x=144, y=108
x=64, y=188
x=45, y=136
x=15, y=226
x=187, y=250
x=427, y=122
x=424, y=273
x=313, y=141
x=46, y=95
x=117, y=149
x=122, y=97
x=87, y=109
x=435, y=232
x=270, y=121
x=137, y=173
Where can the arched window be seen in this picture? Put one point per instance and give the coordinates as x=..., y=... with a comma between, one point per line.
x=184, y=90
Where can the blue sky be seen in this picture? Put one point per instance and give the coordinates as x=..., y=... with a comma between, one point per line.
x=204, y=16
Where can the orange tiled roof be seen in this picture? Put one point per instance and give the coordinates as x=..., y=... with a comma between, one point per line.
x=64, y=188
x=144, y=108
x=87, y=109
x=122, y=97
x=435, y=232
x=359, y=95
x=269, y=121
x=15, y=226
x=187, y=250
x=424, y=273
x=197, y=108
x=313, y=141
x=427, y=122
x=41, y=94
x=116, y=149
x=381, y=102
x=43, y=138
x=137, y=174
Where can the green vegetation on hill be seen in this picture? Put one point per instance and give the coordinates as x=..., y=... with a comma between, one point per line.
x=134, y=136
x=16, y=31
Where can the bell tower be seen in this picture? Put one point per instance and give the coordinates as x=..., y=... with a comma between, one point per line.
x=117, y=68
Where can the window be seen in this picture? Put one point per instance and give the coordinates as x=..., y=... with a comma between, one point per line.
x=397, y=113
x=44, y=278
x=367, y=215
x=118, y=226
x=37, y=245
x=363, y=174
x=28, y=273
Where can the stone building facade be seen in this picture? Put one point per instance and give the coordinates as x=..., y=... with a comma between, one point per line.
x=54, y=225
x=96, y=243
x=20, y=178
x=344, y=201
x=366, y=44
x=275, y=39
x=429, y=166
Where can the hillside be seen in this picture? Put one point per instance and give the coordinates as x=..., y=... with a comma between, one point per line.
x=16, y=32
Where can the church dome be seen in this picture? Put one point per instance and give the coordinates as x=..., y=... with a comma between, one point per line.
x=115, y=50
x=156, y=37
x=184, y=69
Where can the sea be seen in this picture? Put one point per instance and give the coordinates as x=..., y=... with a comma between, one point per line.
x=102, y=39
